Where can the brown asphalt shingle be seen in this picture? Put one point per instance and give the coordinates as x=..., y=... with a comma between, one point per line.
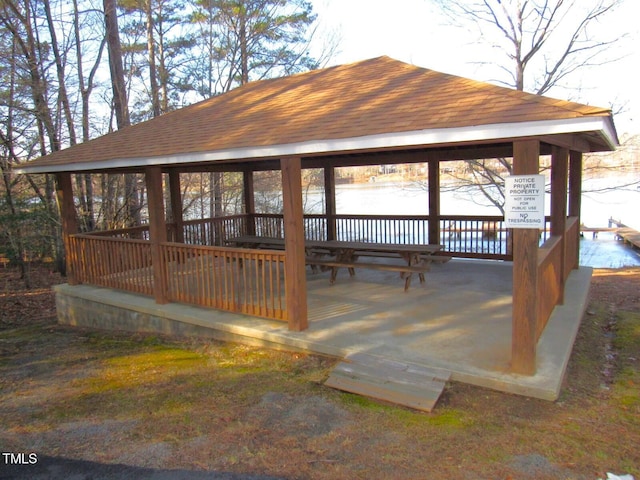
x=375, y=96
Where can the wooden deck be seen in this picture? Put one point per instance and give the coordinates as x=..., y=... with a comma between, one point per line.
x=615, y=246
x=629, y=236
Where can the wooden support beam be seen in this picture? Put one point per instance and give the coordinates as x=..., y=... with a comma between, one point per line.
x=175, y=198
x=575, y=183
x=526, y=160
x=575, y=197
x=295, y=275
x=248, y=192
x=559, y=166
x=568, y=141
x=69, y=220
x=434, y=200
x=330, y=201
x=472, y=151
x=157, y=230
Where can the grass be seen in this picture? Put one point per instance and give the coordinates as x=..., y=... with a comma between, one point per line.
x=175, y=392
x=626, y=388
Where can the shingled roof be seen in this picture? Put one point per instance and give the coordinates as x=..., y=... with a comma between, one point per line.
x=376, y=103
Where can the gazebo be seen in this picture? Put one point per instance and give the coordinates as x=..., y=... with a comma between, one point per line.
x=374, y=112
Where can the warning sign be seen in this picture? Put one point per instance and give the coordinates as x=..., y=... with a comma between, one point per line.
x=524, y=202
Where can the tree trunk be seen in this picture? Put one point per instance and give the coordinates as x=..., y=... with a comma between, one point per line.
x=151, y=54
x=115, y=64
x=120, y=102
x=62, y=89
x=85, y=88
x=244, y=52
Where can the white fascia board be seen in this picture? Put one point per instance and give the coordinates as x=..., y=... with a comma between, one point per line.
x=425, y=138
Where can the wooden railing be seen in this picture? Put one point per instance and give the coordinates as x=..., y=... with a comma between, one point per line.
x=211, y=231
x=554, y=267
x=132, y=233
x=383, y=228
x=236, y=280
x=267, y=225
x=571, y=245
x=460, y=235
x=118, y=263
x=401, y=229
x=206, y=231
x=476, y=237
x=550, y=280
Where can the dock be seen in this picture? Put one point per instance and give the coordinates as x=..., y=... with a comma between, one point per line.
x=617, y=247
x=624, y=233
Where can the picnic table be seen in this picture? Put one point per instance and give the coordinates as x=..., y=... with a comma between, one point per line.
x=335, y=254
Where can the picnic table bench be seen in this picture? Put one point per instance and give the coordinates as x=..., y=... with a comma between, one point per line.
x=334, y=254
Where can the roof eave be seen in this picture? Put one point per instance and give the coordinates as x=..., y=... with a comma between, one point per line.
x=602, y=126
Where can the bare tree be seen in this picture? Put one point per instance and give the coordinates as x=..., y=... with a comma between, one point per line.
x=542, y=45
x=30, y=92
x=85, y=88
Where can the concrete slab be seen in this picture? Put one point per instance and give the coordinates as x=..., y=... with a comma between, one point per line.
x=459, y=321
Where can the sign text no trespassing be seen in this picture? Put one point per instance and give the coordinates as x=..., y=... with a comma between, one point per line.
x=524, y=202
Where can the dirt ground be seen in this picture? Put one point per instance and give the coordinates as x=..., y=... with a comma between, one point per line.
x=185, y=407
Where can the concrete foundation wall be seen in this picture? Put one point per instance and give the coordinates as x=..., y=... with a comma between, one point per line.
x=81, y=312
x=104, y=309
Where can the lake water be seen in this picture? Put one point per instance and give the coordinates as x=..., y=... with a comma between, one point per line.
x=599, y=203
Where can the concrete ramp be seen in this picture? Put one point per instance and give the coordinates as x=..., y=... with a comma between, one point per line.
x=401, y=383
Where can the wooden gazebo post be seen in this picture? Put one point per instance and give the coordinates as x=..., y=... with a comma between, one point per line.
x=157, y=230
x=330, y=201
x=559, y=165
x=434, y=199
x=176, y=205
x=295, y=275
x=575, y=196
x=526, y=160
x=248, y=191
x=69, y=220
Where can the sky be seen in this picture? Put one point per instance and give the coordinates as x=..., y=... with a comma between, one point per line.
x=415, y=32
